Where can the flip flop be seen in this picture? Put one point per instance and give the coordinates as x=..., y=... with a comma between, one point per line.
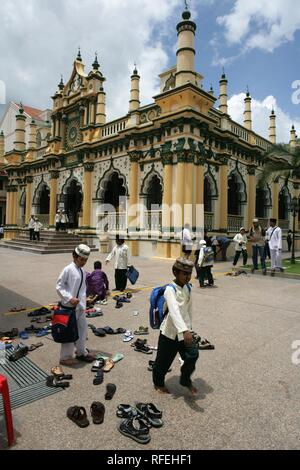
x=128, y=336
x=98, y=377
x=23, y=335
x=78, y=415
x=110, y=391
x=97, y=412
x=57, y=371
x=109, y=364
x=117, y=357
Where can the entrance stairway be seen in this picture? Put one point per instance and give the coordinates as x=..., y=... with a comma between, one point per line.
x=50, y=243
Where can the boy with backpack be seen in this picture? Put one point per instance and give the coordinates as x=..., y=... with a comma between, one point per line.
x=205, y=263
x=176, y=333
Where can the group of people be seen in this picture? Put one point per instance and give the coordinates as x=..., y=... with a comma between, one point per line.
x=265, y=243
x=176, y=334
x=34, y=226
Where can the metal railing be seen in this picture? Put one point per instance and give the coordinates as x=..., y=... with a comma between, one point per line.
x=153, y=220
x=235, y=222
x=209, y=221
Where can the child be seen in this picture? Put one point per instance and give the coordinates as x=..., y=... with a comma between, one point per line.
x=289, y=239
x=37, y=227
x=240, y=246
x=31, y=227
x=120, y=251
x=71, y=288
x=97, y=283
x=176, y=330
x=205, y=263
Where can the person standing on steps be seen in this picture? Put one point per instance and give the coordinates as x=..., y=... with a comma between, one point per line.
x=121, y=254
x=31, y=227
x=71, y=288
x=176, y=333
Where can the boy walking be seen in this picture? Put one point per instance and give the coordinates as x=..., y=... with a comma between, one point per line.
x=240, y=247
x=71, y=288
x=176, y=330
x=121, y=254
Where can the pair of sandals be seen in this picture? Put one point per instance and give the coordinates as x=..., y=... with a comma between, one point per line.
x=143, y=330
x=58, y=376
x=78, y=414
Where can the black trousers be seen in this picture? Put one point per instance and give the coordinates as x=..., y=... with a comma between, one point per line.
x=237, y=257
x=36, y=236
x=166, y=353
x=120, y=279
x=203, y=273
x=31, y=234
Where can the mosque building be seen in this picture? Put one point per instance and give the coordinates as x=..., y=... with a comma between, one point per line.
x=136, y=175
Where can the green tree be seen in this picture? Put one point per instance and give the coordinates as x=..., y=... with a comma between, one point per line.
x=281, y=161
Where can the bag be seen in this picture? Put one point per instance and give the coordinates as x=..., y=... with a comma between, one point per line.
x=157, y=310
x=208, y=255
x=64, y=326
x=132, y=275
x=64, y=323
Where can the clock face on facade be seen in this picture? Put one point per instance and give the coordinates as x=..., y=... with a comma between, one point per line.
x=73, y=134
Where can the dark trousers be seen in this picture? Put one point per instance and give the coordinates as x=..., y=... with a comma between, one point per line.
x=267, y=253
x=261, y=251
x=224, y=247
x=37, y=236
x=289, y=245
x=237, y=257
x=120, y=279
x=31, y=234
x=203, y=273
x=166, y=353
x=57, y=226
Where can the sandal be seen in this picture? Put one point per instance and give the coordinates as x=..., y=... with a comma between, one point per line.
x=136, y=429
x=117, y=357
x=98, y=364
x=98, y=377
x=52, y=381
x=126, y=411
x=128, y=336
x=150, y=413
x=143, y=330
x=109, y=364
x=78, y=415
x=97, y=412
x=57, y=371
x=108, y=330
x=110, y=391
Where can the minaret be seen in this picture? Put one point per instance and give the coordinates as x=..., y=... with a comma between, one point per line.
x=19, y=143
x=272, y=128
x=79, y=58
x=293, y=137
x=101, y=96
x=223, y=94
x=247, y=112
x=32, y=135
x=2, y=147
x=134, y=102
x=186, y=30
x=211, y=90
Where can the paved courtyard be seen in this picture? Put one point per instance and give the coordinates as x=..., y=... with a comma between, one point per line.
x=248, y=387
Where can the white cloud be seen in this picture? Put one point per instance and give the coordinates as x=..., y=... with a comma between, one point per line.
x=261, y=111
x=262, y=24
x=39, y=41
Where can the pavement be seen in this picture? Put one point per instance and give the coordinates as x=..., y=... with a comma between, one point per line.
x=248, y=386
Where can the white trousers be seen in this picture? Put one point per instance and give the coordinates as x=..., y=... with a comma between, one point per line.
x=276, y=261
x=67, y=349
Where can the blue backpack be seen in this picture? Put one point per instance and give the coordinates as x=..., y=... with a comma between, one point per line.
x=157, y=310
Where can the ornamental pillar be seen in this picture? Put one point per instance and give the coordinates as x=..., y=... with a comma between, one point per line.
x=199, y=195
x=251, y=196
x=87, y=194
x=54, y=175
x=29, y=181
x=133, y=213
x=223, y=194
x=167, y=222
x=275, y=198
x=14, y=204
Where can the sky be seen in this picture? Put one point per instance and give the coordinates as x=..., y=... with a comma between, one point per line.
x=257, y=42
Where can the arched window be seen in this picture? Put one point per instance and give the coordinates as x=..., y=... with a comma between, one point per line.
x=44, y=200
x=237, y=195
x=208, y=207
x=283, y=203
x=154, y=194
x=114, y=190
x=263, y=202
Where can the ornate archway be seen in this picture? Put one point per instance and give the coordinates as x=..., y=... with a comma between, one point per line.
x=41, y=198
x=284, y=200
x=111, y=188
x=237, y=194
x=210, y=192
x=263, y=202
x=72, y=198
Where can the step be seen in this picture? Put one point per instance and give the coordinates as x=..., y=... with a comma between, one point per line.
x=41, y=251
x=47, y=242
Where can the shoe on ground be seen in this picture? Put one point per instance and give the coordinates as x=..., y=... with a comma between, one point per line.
x=143, y=348
x=68, y=362
x=18, y=354
x=136, y=429
x=88, y=358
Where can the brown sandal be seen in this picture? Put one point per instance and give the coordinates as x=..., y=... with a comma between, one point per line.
x=78, y=415
x=57, y=371
x=109, y=364
x=97, y=412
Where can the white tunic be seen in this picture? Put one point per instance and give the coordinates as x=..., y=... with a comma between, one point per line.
x=274, y=236
x=31, y=223
x=187, y=238
x=121, y=253
x=179, y=318
x=68, y=284
x=239, y=238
